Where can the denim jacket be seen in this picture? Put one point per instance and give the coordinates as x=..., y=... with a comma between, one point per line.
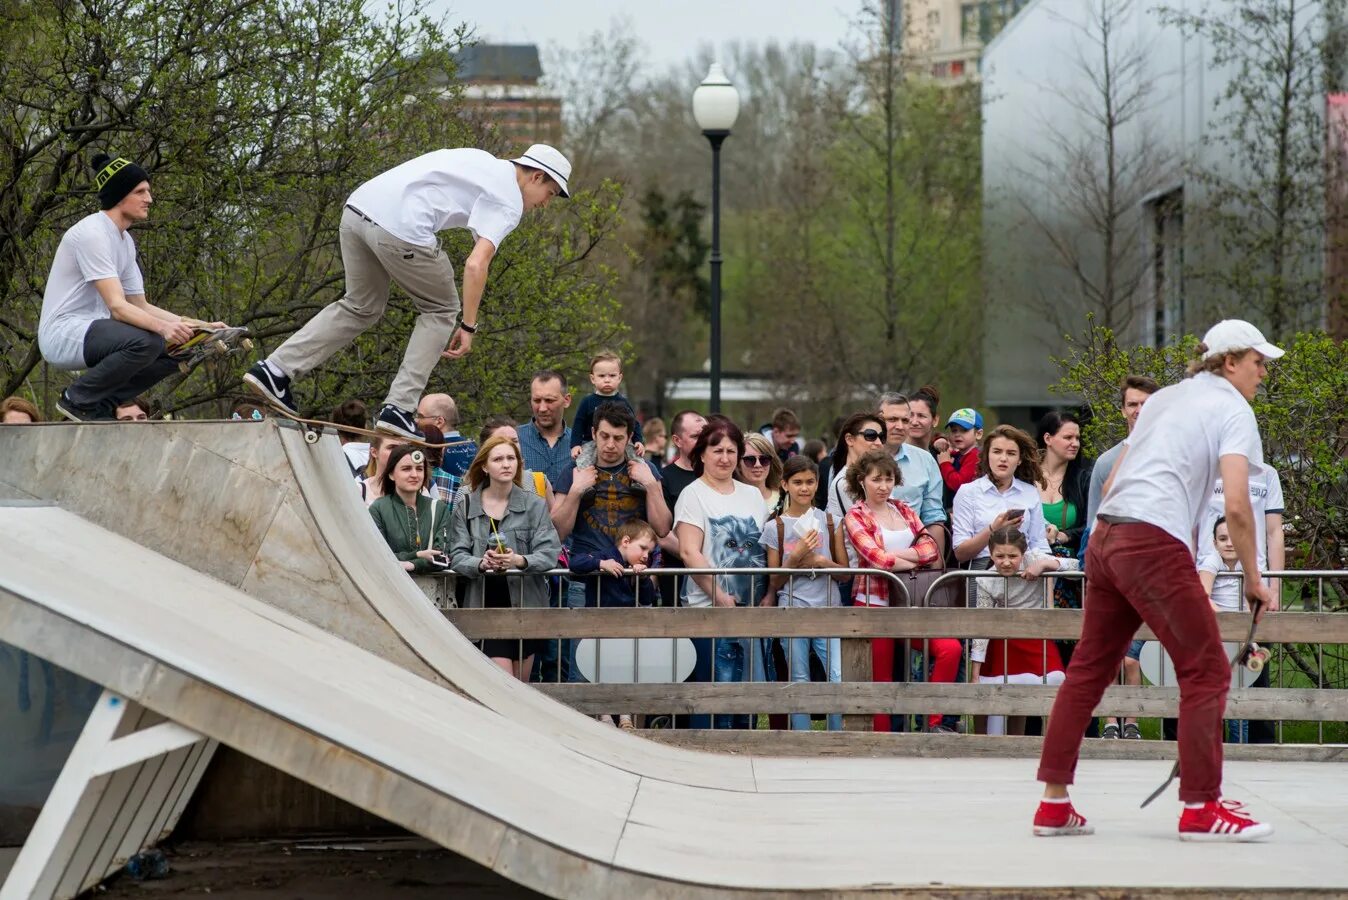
x=525, y=528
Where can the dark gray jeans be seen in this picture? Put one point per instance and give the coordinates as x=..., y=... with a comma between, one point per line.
x=124, y=361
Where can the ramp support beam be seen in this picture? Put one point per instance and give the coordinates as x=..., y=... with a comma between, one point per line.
x=109, y=801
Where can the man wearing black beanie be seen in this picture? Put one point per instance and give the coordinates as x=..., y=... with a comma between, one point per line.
x=94, y=312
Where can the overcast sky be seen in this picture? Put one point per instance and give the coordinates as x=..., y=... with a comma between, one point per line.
x=671, y=30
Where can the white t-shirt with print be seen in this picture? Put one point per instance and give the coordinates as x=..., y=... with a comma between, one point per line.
x=464, y=188
x=732, y=530
x=1265, y=498
x=1167, y=475
x=819, y=590
x=93, y=249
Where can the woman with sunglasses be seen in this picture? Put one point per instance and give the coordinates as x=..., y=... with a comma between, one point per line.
x=860, y=433
x=761, y=467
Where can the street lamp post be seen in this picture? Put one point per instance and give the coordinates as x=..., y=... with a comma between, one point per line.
x=716, y=104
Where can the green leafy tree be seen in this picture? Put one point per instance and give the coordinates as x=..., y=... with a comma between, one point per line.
x=256, y=119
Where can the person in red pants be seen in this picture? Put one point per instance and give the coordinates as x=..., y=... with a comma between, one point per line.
x=887, y=534
x=1141, y=565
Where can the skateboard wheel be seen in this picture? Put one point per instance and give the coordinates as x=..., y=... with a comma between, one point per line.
x=246, y=343
x=311, y=436
x=184, y=368
x=219, y=346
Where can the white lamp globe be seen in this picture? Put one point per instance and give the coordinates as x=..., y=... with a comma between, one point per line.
x=716, y=103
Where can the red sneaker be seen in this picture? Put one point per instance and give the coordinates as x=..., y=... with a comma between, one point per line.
x=1221, y=820
x=1054, y=819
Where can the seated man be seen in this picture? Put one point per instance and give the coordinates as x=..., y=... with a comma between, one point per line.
x=94, y=312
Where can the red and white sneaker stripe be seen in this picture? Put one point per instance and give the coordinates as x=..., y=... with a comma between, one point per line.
x=1059, y=819
x=1221, y=821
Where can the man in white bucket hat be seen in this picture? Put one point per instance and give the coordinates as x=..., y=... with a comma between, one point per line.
x=388, y=234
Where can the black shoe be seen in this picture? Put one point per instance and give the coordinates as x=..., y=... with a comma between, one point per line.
x=400, y=422
x=275, y=389
x=76, y=413
x=1131, y=732
x=1110, y=732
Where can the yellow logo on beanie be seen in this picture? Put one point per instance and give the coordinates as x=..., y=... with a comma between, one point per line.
x=110, y=170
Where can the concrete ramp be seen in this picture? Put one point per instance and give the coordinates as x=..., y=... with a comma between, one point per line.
x=255, y=506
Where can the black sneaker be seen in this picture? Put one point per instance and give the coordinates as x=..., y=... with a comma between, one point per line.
x=76, y=413
x=1110, y=732
x=400, y=422
x=1131, y=732
x=275, y=389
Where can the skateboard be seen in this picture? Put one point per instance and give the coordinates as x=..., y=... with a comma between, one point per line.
x=207, y=343
x=314, y=428
x=1255, y=658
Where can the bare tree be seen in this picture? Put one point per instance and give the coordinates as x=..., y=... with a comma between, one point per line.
x=1265, y=206
x=1083, y=195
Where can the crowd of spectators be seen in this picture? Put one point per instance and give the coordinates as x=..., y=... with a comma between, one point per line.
x=615, y=501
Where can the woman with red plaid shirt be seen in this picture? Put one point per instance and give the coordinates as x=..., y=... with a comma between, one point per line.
x=887, y=534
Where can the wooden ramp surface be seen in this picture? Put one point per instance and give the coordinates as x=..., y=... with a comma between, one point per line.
x=555, y=818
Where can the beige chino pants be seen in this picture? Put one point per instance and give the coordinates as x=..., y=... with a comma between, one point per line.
x=372, y=260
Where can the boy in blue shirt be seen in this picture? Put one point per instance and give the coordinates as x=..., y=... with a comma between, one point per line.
x=635, y=543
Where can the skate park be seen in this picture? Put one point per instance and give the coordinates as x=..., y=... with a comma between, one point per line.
x=282, y=630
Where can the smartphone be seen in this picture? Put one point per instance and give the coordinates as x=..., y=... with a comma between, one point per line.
x=1015, y=513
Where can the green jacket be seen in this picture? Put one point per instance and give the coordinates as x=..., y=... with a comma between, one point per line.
x=396, y=522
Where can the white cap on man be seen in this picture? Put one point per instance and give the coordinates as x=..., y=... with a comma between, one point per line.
x=548, y=159
x=1234, y=335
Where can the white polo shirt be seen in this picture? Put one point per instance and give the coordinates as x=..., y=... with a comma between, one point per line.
x=979, y=502
x=1172, y=464
x=463, y=188
x=93, y=249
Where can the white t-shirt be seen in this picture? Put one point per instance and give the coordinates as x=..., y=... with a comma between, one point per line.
x=1265, y=498
x=357, y=454
x=819, y=590
x=93, y=249
x=732, y=530
x=1226, y=592
x=895, y=539
x=463, y=188
x=1167, y=476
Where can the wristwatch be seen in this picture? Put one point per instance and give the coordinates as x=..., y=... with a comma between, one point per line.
x=471, y=329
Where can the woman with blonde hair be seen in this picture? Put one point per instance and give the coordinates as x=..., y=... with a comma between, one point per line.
x=761, y=467
x=502, y=526
x=381, y=445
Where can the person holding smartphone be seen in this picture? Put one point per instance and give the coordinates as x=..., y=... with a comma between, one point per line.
x=1005, y=495
x=500, y=527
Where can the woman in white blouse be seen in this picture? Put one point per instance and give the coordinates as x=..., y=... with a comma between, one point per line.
x=1005, y=494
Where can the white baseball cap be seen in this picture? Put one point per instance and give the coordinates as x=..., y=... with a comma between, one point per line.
x=1234, y=335
x=548, y=159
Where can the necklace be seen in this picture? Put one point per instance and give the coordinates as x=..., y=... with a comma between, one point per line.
x=414, y=517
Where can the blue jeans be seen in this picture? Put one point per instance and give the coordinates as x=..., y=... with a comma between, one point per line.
x=573, y=597
x=735, y=660
x=829, y=651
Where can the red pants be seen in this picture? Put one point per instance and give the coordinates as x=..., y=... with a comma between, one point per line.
x=945, y=661
x=1139, y=573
